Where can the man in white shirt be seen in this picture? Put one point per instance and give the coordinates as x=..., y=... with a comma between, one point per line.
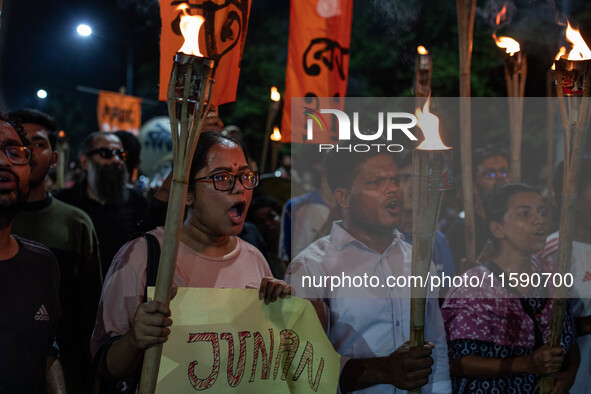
x=366, y=314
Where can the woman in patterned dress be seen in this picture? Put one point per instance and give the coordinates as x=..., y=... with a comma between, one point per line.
x=496, y=333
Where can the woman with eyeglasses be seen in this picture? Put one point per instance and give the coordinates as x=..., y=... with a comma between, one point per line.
x=210, y=255
x=498, y=332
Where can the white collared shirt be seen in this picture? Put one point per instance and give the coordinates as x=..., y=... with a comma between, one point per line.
x=368, y=321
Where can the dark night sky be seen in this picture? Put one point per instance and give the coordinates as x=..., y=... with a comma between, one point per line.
x=39, y=48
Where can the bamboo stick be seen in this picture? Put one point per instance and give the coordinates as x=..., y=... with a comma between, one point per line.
x=63, y=149
x=271, y=114
x=551, y=113
x=427, y=168
x=466, y=10
x=575, y=131
x=515, y=77
x=184, y=142
x=423, y=71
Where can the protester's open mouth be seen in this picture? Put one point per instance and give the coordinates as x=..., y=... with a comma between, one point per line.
x=540, y=234
x=236, y=211
x=7, y=180
x=392, y=206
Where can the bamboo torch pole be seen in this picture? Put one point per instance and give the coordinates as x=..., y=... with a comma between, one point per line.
x=188, y=100
x=423, y=70
x=63, y=150
x=551, y=93
x=575, y=124
x=275, y=137
x=187, y=114
x=551, y=116
x=466, y=10
x=271, y=114
x=515, y=76
x=427, y=163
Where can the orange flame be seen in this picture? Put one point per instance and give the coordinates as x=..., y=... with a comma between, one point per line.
x=502, y=14
x=509, y=44
x=275, y=96
x=429, y=124
x=561, y=52
x=190, y=26
x=421, y=50
x=276, y=136
x=580, y=49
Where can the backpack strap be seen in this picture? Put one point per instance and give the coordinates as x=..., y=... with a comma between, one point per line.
x=153, y=251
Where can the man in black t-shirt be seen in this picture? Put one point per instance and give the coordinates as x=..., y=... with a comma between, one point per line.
x=69, y=233
x=29, y=283
x=115, y=208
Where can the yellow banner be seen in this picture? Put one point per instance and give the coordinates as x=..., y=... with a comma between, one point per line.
x=119, y=112
x=225, y=340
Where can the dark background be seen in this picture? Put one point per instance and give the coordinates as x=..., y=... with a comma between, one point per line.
x=39, y=48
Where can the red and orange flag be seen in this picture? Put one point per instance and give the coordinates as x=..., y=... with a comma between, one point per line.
x=318, y=59
x=119, y=112
x=221, y=38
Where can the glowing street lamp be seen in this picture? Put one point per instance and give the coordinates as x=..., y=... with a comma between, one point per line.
x=42, y=94
x=85, y=30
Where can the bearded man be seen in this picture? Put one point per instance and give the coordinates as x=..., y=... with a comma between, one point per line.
x=115, y=208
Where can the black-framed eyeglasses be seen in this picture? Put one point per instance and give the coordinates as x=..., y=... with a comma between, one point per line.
x=225, y=180
x=107, y=153
x=493, y=173
x=17, y=154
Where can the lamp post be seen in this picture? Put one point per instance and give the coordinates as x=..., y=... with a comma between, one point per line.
x=85, y=30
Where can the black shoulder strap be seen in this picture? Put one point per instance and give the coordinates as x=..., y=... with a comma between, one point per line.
x=152, y=263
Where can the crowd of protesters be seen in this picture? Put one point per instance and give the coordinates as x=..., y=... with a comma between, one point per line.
x=73, y=264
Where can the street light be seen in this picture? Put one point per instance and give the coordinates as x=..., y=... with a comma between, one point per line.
x=85, y=30
x=42, y=94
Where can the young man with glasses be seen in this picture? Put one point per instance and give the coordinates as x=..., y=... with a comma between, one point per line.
x=114, y=207
x=29, y=279
x=53, y=223
x=491, y=169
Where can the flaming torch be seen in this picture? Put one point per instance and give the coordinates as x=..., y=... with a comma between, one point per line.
x=63, y=152
x=189, y=91
x=275, y=146
x=573, y=78
x=429, y=162
x=271, y=114
x=551, y=113
x=515, y=76
x=422, y=72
